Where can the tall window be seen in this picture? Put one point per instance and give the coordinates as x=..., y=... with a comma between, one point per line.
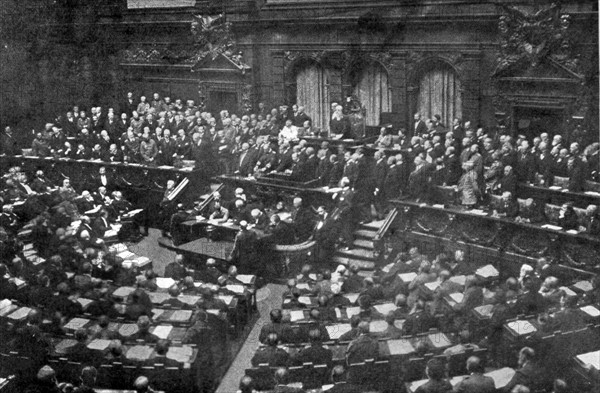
x=311, y=92
x=439, y=94
x=373, y=92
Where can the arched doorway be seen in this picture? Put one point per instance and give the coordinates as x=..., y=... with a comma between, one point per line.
x=440, y=93
x=311, y=92
x=373, y=90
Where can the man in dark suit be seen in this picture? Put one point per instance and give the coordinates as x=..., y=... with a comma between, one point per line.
x=175, y=269
x=314, y=353
x=280, y=232
x=476, y=382
x=363, y=347
x=530, y=373
x=419, y=127
x=337, y=171
x=101, y=224
x=308, y=169
x=340, y=385
x=419, y=320
x=246, y=161
x=391, y=184
x=270, y=354
x=244, y=253
x=302, y=219
x=590, y=224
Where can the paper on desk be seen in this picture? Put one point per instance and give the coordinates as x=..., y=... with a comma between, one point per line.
x=501, y=376
x=162, y=331
x=296, y=315
x=521, y=327
x=28, y=246
x=181, y=315
x=477, y=212
x=5, y=303
x=353, y=297
x=164, y=282
x=553, y=227
x=158, y=297
x=303, y=285
x=385, y=308
x=63, y=345
x=246, y=278
x=8, y=309
x=128, y=329
x=94, y=210
x=227, y=299
x=568, y=292
x=18, y=282
x=573, y=231
x=590, y=358
x=84, y=302
x=126, y=254
x=304, y=300
x=377, y=326
x=407, y=277
x=123, y=291
x=119, y=247
x=584, y=286
x=214, y=311
x=457, y=297
x=111, y=233
x=555, y=187
x=338, y=313
x=99, y=344
x=591, y=311
x=485, y=311
x=460, y=280
x=132, y=213
x=325, y=388
x=189, y=299
x=337, y=330
x=139, y=352
x=487, y=271
x=235, y=288
x=157, y=313
x=284, y=216
x=20, y=313
x=400, y=347
x=387, y=268
x=399, y=323
x=180, y=354
x=76, y=323
x=594, y=193
x=350, y=311
x=432, y=286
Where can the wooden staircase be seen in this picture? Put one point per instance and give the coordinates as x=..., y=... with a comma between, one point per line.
x=362, y=252
x=367, y=240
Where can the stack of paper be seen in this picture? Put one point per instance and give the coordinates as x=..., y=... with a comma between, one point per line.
x=296, y=315
x=353, y=297
x=377, y=326
x=590, y=359
x=521, y=327
x=439, y=340
x=164, y=282
x=350, y=311
x=432, y=286
x=181, y=315
x=99, y=344
x=591, y=311
x=123, y=291
x=400, y=347
x=235, y=288
x=584, y=286
x=336, y=331
x=385, y=308
x=139, y=352
x=84, y=302
x=457, y=297
x=128, y=329
x=487, y=271
x=485, y=311
x=407, y=277
x=189, y=299
x=158, y=297
x=126, y=254
x=180, y=354
x=162, y=331
x=76, y=323
x=247, y=279
x=501, y=376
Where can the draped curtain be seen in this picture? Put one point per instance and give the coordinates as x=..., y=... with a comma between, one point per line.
x=311, y=93
x=439, y=94
x=374, y=93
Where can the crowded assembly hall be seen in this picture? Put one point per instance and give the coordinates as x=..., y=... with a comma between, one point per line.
x=290, y=196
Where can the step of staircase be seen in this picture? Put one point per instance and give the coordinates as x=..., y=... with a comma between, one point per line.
x=365, y=234
x=362, y=243
x=372, y=226
x=363, y=265
x=357, y=253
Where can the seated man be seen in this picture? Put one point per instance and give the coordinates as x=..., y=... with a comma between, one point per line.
x=508, y=207
x=175, y=269
x=271, y=354
x=590, y=224
x=80, y=352
x=143, y=333
x=418, y=320
x=160, y=355
x=314, y=353
x=530, y=373
x=476, y=382
x=362, y=347
x=281, y=381
x=391, y=332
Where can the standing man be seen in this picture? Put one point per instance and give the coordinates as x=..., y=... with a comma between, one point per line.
x=244, y=254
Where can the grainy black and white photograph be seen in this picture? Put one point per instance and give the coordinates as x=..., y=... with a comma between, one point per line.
x=299, y=196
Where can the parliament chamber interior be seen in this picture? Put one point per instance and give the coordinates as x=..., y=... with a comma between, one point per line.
x=287, y=196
